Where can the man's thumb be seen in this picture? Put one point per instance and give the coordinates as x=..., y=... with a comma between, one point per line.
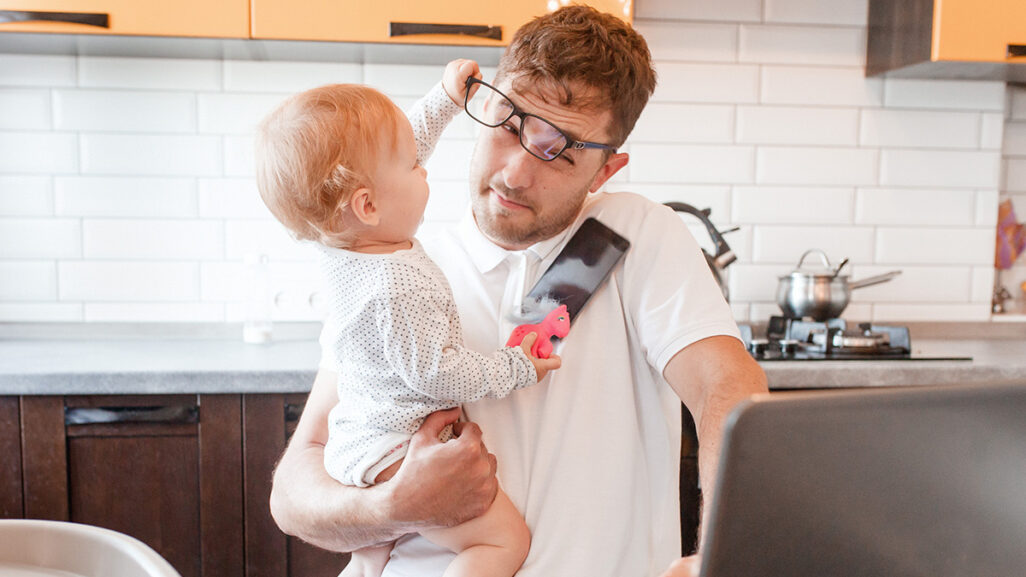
x=435, y=422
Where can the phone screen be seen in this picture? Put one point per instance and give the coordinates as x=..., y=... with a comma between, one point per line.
x=579, y=269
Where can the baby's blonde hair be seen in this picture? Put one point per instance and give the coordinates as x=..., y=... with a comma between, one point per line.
x=316, y=149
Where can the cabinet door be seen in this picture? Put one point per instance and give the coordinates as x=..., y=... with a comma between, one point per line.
x=971, y=30
x=268, y=422
x=401, y=21
x=10, y=459
x=220, y=19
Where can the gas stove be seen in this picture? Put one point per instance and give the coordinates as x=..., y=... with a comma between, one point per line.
x=790, y=339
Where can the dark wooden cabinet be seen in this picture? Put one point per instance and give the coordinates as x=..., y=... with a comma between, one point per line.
x=189, y=475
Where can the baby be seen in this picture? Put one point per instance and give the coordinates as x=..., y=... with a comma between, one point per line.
x=340, y=165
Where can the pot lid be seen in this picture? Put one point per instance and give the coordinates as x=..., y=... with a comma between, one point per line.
x=812, y=270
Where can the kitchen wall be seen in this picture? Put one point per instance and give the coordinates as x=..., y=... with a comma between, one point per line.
x=126, y=190
x=1015, y=188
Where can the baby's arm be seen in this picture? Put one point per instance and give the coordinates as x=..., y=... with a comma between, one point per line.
x=431, y=114
x=426, y=350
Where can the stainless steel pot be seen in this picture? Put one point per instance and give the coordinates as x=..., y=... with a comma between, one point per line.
x=821, y=293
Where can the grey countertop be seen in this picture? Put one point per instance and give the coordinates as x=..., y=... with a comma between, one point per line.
x=151, y=359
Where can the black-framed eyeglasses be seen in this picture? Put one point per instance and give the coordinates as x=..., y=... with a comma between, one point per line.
x=538, y=136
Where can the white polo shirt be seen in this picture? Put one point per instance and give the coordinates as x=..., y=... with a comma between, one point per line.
x=591, y=455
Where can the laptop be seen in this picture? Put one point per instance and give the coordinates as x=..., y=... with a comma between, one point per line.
x=918, y=481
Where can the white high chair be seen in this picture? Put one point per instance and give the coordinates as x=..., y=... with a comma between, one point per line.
x=33, y=548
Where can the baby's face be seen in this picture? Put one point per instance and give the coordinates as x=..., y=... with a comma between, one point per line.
x=401, y=188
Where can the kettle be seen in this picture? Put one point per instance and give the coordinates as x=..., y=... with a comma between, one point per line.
x=724, y=255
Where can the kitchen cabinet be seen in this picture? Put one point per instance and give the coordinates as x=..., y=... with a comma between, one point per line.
x=221, y=19
x=189, y=475
x=947, y=39
x=397, y=21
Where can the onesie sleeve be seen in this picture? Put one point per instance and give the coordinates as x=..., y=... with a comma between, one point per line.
x=429, y=116
x=419, y=345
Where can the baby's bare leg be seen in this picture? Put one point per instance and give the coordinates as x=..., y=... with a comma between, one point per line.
x=368, y=562
x=492, y=545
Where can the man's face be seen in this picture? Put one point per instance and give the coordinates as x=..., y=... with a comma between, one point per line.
x=518, y=199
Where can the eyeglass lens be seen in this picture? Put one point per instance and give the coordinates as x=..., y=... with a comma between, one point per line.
x=491, y=108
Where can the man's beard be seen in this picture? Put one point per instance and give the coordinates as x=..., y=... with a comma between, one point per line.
x=522, y=230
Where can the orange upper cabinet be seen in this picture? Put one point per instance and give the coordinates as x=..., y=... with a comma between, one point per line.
x=947, y=38
x=406, y=21
x=206, y=18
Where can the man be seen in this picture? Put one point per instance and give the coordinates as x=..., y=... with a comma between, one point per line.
x=589, y=457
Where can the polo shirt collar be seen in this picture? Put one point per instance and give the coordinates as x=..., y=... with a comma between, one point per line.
x=486, y=255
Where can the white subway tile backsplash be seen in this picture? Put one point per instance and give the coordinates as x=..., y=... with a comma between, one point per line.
x=128, y=281
x=120, y=312
x=1017, y=105
x=982, y=283
x=26, y=196
x=120, y=111
x=912, y=312
x=986, y=209
x=223, y=281
x=238, y=156
x=125, y=196
x=797, y=125
x=715, y=198
x=690, y=123
x=939, y=168
x=691, y=164
x=40, y=238
x=820, y=86
x=968, y=246
x=792, y=205
x=1015, y=175
x=772, y=44
x=757, y=282
x=816, y=166
x=706, y=83
x=48, y=312
x=953, y=94
x=915, y=284
x=402, y=80
x=149, y=73
x=690, y=42
x=787, y=244
x=723, y=10
x=243, y=237
x=286, y=77
x=992, y=129
x=234, y=113
x=231, y=198
x=1014, y=139
x=915, y=207
x=151, y=155
x=139, y=239
x=920, y=129
x=38, y=153
x=24, y=109
x=849, y=13
x=36, y=70
x=28, y=281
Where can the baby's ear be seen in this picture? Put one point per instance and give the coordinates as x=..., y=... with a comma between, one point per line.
x=361, y=204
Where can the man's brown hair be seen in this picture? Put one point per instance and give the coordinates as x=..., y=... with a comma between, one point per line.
x=580, y=47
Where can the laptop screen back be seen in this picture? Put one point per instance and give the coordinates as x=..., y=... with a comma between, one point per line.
x=915, y=481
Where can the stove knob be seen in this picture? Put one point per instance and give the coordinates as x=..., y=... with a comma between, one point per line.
x=758, y=347
x=788, y=347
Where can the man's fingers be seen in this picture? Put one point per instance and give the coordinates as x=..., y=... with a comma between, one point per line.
x=435, y=422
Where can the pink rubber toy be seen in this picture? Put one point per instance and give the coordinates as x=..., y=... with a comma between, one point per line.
x=555, y=324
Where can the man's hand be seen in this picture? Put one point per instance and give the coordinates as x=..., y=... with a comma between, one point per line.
x=686, y=567
x=444, y=484
x=454, y=79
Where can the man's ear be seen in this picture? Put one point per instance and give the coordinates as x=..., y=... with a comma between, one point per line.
x=612, y=165
x=361, y=204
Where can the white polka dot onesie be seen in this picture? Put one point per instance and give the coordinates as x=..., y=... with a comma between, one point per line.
x=399, y=345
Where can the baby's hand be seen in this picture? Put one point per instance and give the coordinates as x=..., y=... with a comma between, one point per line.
x=454, y=81
x=541, y=366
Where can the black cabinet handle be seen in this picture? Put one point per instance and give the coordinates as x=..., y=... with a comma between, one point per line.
x=105, y=415
x=412, y=28
x=293, y=412
x=1016, y=50
x=84, y=18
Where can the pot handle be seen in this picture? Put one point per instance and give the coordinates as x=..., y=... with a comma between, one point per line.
x=873, y=280
x=822, y=257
